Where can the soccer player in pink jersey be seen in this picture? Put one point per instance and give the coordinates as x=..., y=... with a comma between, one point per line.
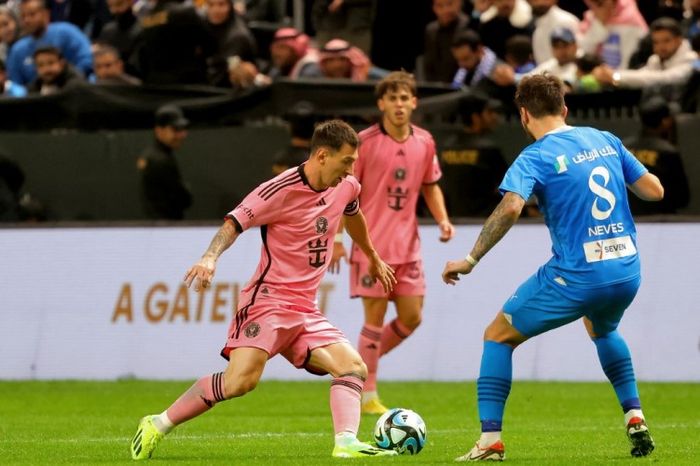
x=298, y=213
x=396, y=164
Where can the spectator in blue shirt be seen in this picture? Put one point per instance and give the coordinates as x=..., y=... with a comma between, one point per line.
x=66, y=37
x=10, y=89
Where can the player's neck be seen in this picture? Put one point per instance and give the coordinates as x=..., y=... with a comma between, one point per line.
x=399, y=133
x=541, y=126
x=313, y=176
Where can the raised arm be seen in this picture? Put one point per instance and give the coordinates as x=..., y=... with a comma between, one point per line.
x=356, y=227
x=648, y=188
x=203, y=271
x=435, y=201
x=497, y=225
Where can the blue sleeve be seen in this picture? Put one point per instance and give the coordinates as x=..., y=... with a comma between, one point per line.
x=14, y=66
x=77, y=49
x=632, y=169
x=522, y=177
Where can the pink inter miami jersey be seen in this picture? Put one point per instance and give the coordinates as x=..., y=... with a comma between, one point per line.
x=392, y=174
x=298, y=226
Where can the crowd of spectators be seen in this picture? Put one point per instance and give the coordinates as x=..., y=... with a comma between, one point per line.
x=483, y=46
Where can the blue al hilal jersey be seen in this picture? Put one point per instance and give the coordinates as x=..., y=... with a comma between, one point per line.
x=579, y=177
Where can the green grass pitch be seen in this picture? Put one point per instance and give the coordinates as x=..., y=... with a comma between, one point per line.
x=76, y=422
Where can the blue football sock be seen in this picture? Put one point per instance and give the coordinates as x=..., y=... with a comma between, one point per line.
x=617, y=364
x=494, y=383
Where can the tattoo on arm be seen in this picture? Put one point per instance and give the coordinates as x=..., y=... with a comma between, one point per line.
x=497, y=225
x=224, y=238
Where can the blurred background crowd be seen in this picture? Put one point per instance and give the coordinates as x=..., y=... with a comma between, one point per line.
x=481, y=48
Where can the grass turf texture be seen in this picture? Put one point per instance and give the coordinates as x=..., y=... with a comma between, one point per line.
x=289, y=423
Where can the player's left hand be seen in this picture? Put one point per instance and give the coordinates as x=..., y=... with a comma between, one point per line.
x=453, y=269
x=447, y=231
x=380, y=270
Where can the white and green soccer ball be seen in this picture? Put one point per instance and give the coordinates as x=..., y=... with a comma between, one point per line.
x=402, y=430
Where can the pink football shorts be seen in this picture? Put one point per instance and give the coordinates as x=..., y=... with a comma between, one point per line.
x=410, y=281
x=292, y=331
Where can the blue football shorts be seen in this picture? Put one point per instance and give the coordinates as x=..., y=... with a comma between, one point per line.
x=540, y=305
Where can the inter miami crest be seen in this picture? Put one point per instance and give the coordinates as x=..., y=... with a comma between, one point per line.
x=252, y=330
x=400, y=174
x=321, y=225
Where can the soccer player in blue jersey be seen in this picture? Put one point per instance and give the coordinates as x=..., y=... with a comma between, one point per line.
x=580, y=177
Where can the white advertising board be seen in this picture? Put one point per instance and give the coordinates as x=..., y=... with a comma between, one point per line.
x=105, y=303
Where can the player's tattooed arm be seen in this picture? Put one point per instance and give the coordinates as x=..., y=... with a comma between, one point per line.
x=203, y=271
x=497, y=225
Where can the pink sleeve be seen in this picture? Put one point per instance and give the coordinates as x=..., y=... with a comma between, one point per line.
x=353, y=207
x=256, y=210
x=432, y=170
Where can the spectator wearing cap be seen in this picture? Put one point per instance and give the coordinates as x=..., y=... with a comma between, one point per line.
x=472, y=164
x=163, y=192
x=654, y=148
x=612, y=30
x=10, y=89
x=564, y=54
x=548, y=17
x=109, y=68
x=54, y=73
x=73, y=44
x=671, y=63
x=439, y=64
x=339, y=59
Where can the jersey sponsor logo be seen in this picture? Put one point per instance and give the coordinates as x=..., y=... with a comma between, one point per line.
x=611, y=248
x=561, y=164
x=397, y=198
x=317, y=250
x=247, y=211
x=252, y=330
x=321, y=225
x=593, y=154
x=601, y=193
x=600, y=230
x=400, y=174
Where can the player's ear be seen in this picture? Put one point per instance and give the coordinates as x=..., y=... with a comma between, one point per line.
x=565, y=112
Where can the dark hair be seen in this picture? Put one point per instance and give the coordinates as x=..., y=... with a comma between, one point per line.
x=541, y=95
x=333, y=134
x=519, y=47
x=2, y=65
x=653, y=111
x=48, y=49
x=588, y=62
x=105, y=49
x=393, y=82
x=467, y=37
x=666, y=24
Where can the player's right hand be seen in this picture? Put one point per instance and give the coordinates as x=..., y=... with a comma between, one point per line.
x=453, y=269
x=201, y=274
x=338, y=254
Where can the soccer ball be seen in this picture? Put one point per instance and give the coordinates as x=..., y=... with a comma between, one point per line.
x=400, y=429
